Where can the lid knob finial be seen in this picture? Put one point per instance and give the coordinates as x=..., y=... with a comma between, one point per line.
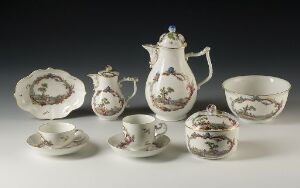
x=108, y=68
x=172, y=28
x=211, y=109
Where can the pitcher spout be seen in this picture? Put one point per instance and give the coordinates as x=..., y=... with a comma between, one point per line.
x=153, y=52
x=95, y=79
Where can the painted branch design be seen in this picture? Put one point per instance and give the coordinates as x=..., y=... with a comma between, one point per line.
x=102, y=109
x=246, y=112
x=202, y=123
x=213, y=150
x=127, y=139
x=45, y=99
x=163, y=101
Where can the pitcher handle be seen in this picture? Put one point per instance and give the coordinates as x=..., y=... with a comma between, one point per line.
x=210, y=68
x=131, y=79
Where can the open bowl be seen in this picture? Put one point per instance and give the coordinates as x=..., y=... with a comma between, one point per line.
x=255, y=98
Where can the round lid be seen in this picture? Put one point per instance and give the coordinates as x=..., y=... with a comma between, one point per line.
x=172, y=39
x=108, y=72
x=211, y=120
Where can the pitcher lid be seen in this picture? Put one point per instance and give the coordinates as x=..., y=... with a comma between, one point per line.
x=108, y=72
x=211, y=119
x=172, y=39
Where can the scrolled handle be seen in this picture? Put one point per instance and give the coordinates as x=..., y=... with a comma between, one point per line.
x=160, y=129
x=78, y=135
x=130, y=79
x=205, y=52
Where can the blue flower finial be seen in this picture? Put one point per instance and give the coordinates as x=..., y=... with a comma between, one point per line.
x=172, y=28
x=171, y=70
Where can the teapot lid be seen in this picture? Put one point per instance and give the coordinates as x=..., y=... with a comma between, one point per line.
x=108, y=72
x=172, y=39
x=211, y=119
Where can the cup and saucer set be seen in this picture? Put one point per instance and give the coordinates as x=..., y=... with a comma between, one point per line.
x=141, y=137
x=57, y=138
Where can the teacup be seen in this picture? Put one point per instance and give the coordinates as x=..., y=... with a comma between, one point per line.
x=58, y=134
x=140, y=131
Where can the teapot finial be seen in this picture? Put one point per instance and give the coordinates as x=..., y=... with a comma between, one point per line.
x=108, y=68
x=172, y=28
x=211, y=109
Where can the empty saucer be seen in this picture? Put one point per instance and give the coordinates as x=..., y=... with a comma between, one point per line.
x=36, y=143
x=157, y=147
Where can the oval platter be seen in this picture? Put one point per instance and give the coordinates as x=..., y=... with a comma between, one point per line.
x=49, y=93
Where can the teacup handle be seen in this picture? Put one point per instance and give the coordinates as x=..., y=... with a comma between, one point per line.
x=160, y=129
x=78, y=132
x=131, y=79
x=205, y=51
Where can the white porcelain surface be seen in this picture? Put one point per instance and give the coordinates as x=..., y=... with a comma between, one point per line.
x=140, y=131
x=265, y=148
x=58, y=134
x=157, y=147
x=171, y=88
x=255, y=98
x=211, y=134
x=49, y=93
x=108, y=102
x=37, y=144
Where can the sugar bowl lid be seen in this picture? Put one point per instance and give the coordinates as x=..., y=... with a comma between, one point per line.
x=171, y=39
x=108, y=72
x=211, y=119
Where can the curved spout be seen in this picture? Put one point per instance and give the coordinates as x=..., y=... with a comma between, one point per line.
x=153, y=52
x=95, y=79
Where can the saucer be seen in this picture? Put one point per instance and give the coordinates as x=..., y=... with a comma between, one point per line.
x=37, y=144
x=157, y=147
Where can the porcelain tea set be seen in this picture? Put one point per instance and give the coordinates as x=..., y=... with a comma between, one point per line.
x=171, y=91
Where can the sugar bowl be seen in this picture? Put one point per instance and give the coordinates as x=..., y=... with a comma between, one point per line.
x=211, y=134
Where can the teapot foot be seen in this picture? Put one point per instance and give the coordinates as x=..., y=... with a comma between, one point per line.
x=108, y=118
x=170, y=118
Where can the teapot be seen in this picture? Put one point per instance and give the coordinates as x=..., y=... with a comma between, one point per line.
x=171, y=88
x=108, y=102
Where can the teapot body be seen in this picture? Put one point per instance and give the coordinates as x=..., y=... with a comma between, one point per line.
x=108, y=101
x=171, y=88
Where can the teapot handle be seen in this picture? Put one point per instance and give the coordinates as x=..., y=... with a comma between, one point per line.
x=210, y=68
x=131, y=79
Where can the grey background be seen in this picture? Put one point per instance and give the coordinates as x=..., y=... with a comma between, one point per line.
x=245, y=38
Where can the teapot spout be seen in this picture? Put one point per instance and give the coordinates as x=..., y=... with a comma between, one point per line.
x=95, y=79
x=153, y=52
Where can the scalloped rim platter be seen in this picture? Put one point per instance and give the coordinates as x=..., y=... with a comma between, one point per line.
x=49, y=93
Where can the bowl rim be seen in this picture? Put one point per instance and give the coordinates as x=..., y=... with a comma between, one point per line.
x=255, y=75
